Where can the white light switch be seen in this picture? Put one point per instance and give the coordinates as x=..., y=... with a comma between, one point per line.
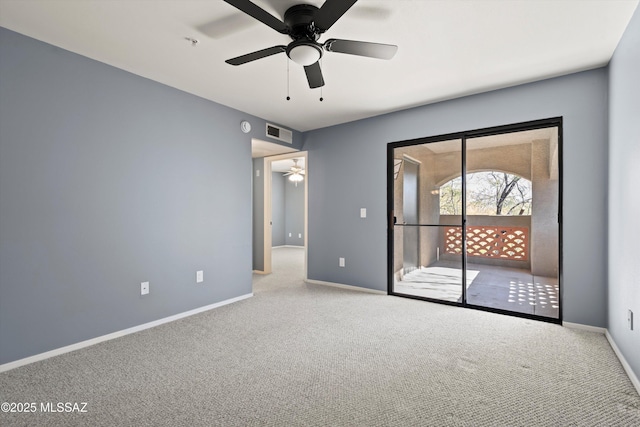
x=258, y=172
x=144, y=288
x=363, y=212
x=299, y=235
x=341, y=262
x=199, y=276
x=289, y=234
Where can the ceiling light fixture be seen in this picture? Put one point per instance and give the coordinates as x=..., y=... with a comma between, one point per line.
x=295, y=177
x=305, y=23
x=304, y=53
x=296, y=174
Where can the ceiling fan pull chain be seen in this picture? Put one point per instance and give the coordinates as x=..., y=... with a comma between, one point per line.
x=321, y=97
x=288, y=97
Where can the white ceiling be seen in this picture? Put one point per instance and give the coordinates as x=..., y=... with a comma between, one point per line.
x=285, y=165
x=260, y=148
x=447, y=48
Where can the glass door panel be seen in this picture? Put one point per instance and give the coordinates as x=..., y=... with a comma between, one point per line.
x=512, y=194
x=438, y=276
x=427, y=252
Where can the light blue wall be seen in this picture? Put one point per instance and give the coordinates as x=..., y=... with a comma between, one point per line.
x=350, y=173
x=294, y=213
x=258, y=214
x=108, y=179
x=624, y=193
x=277, y=209
x=287, y=217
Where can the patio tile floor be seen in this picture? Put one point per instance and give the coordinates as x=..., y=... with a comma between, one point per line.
x=504, y=288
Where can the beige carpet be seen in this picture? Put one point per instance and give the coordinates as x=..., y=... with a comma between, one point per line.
x=308, y=355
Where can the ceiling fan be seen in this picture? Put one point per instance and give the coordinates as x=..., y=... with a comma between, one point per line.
x=304, y=23
x=295, y=173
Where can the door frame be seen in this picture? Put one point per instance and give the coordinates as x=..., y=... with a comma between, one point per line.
x=463, y=136
x=267, y=205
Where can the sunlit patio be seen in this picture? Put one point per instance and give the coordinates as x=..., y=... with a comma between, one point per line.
x=503, y=288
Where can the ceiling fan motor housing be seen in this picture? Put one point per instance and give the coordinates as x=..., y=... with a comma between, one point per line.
x=300, y=20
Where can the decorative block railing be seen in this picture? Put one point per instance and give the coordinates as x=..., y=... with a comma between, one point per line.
x=489, y=242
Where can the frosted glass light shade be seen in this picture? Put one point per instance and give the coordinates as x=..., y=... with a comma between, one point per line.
x=296, y=177
x=304, y=55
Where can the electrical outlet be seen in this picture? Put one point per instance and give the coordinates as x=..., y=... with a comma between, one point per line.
x=341, y=262
x=630, y=320
x=363, y=212
x=199, y=276
x=144, y=288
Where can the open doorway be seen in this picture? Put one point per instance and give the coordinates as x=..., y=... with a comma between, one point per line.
x=280, y=213
x=285, y=245
x=488, y=223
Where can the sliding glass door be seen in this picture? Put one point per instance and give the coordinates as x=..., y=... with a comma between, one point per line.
x=475, y=219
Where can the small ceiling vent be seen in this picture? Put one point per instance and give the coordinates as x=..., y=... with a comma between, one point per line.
x=281, y=134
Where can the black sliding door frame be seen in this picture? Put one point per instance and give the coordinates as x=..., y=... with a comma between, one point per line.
x=554, y=122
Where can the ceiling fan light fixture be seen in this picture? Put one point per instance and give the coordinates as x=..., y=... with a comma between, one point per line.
x=305, y=23
x=304, y=54
x=295, y=177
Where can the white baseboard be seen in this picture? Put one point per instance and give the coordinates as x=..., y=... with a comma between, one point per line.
x=582, y=327
x=350, y=287
x=627, y=368
x=117, y=334
x=259, y=272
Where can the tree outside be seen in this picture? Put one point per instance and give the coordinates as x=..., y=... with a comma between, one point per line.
x=488, y=193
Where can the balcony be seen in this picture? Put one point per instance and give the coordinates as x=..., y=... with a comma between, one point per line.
x=506, y=268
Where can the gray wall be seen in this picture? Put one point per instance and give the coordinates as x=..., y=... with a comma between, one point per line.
x=108, y=179
x=335, y=196
x=624, y=193
x=277, y=209
x=258, y=214
x=294, y=213
x=287, y=205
